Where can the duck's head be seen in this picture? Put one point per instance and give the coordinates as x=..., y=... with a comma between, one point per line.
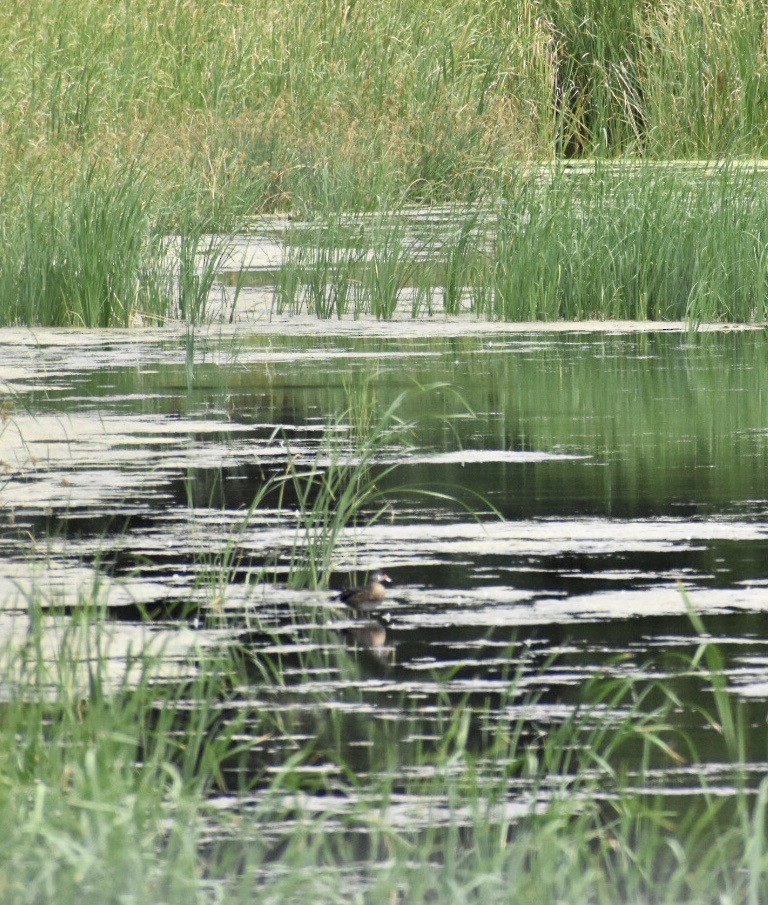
x=379, y=577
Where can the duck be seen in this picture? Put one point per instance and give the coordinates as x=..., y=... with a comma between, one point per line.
x=369, y=596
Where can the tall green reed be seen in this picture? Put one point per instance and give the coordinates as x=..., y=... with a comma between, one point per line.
x=197, y=259
x=636, y=243
x=626, y=241
x=85, y=256
x=323, y=267
x=598, y=89
x=463, y=252
x=390, y=266
x=338, y=107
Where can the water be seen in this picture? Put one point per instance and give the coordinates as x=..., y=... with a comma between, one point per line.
x=585, y=481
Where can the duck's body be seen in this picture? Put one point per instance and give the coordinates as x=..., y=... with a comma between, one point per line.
x=369, y=596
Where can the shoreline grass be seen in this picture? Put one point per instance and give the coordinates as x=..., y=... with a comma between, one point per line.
x=198, y=119
x=608, y=242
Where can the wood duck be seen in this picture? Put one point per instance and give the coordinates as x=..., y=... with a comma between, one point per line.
x=369, y=596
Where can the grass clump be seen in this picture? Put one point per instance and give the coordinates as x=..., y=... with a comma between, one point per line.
x=83, y=257
x=94, y=254
x=632, y=243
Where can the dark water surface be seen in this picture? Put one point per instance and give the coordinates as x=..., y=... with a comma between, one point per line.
x=622, y=468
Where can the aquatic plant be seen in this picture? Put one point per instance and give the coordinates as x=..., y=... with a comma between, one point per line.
x=606, y=242
x=633, y=243
x=111, y=785
x=389, y=266
x=338, y=490
x=82, y=256
x=107, y=152
x=196, y=260
x=322, y=267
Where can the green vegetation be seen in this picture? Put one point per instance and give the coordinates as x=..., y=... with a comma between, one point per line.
x=106, y=774
x=636, y=245
x=249, y=105
x=628, y=242
x=126, y=122
x=553, y=133
x=633, y=242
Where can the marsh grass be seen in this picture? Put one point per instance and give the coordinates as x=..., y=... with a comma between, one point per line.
x=351, y=482
x=103, y=764
x=389, y=268
x=338, y=490
x=106, y=784
x=242, y=108
x=323, y=266
x=198, y=260
x=630, y=242
x=82, y=256
x=93, y=255
x=645, y=243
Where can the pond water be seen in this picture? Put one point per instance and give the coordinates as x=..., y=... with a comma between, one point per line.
x=580, y=482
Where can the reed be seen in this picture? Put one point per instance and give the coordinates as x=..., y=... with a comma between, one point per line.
x=322, y=269
x=107, y=773
x=641, y=243
x=105, y=762
x=338, y=490
x=85, y=256
x=629, y=241
x=254, y=105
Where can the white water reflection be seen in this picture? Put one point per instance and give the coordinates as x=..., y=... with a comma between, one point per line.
x=53, y=657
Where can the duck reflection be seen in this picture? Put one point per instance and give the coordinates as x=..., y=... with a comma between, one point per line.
x=372, y=638
x=372, y=635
